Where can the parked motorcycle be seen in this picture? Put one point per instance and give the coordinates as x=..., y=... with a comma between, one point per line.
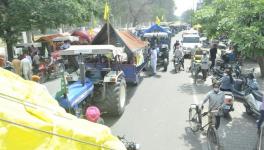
x=228, y=104
x=252, y=103
x=243, y=83
x=46, y=72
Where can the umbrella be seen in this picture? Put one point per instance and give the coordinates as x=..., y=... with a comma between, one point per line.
x=83, y=35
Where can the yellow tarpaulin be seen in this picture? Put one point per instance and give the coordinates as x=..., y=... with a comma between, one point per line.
x=31, y=119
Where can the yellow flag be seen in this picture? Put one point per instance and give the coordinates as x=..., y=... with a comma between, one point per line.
x=106, y=12
x=157, y=20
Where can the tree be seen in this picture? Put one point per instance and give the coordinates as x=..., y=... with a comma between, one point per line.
x=25, y=15
x=240, y=20
x=140, y=11
x=187, y=16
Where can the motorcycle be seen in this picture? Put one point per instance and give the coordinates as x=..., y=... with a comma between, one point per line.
x=252, y=103
x=46, y=72
x=129, y=145
x=177, y=64
x=163, y=57
x=245, y=82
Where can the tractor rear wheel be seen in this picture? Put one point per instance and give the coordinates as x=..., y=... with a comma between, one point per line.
x=115, y=101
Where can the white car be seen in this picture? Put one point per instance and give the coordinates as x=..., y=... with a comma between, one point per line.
x=188, y=43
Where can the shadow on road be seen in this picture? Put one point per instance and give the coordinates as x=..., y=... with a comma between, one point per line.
x=192, y=139
x=200, y=88
x=240, y=133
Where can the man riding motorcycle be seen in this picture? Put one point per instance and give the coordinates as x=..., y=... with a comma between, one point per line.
x=216, y=100
x=178, y=53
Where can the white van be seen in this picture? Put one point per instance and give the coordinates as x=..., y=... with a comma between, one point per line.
x=189, y=41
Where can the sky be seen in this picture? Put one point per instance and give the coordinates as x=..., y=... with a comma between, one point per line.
x=183, y=5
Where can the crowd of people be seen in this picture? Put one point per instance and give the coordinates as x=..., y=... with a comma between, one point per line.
x=29, y=64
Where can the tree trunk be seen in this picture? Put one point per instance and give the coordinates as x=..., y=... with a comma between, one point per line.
x=134, y=22
x=9, y=46
x=260, y=60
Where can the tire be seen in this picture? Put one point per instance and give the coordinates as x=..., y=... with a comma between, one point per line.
x=115, y=99
x=165, y=64
x=195, y=77
x=193, y=119
x=137, y=80
x=226, y=114
x=248, y=110
x=212, y=139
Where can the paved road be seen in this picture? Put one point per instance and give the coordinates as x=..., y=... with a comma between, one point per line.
x=157, y=112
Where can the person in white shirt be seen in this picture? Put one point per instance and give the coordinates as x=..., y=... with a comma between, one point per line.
x=153, y=59
x=204, y=65
x=26, y=68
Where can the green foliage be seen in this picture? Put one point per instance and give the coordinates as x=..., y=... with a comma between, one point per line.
x=140, y=11
x=240, y=20
x=187, y=16
x=26, y=15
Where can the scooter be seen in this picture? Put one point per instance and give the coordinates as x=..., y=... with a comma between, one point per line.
x=245, y=82
x=252, y=104
x=228, y=104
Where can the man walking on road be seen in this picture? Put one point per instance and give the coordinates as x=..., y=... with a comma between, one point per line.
x=213, y=52
x=153, y=59
x=26, y=68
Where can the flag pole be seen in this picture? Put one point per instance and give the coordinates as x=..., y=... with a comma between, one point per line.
x=108, y=19
x=108, y=33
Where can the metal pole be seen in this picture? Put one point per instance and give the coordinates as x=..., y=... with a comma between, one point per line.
x=108, y=19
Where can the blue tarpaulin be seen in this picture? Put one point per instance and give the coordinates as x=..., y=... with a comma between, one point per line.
x=156, y=28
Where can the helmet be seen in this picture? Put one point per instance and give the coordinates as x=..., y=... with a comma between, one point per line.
x=92, y=113
x=204, y=53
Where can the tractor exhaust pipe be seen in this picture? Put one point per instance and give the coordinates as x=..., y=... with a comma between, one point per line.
x=82, y=70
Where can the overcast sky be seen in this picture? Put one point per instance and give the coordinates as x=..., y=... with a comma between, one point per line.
x=183, y=5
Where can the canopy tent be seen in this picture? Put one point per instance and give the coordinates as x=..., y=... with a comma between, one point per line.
x=32, y=119
x=119, y=38
x=131, y=41
x=133, y=46
x=156, y=28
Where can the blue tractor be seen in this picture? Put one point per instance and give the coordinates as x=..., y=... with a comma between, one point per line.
x=98, y=81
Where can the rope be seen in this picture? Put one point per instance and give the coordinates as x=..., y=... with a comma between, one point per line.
x=58, y=135
x=27, y=103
